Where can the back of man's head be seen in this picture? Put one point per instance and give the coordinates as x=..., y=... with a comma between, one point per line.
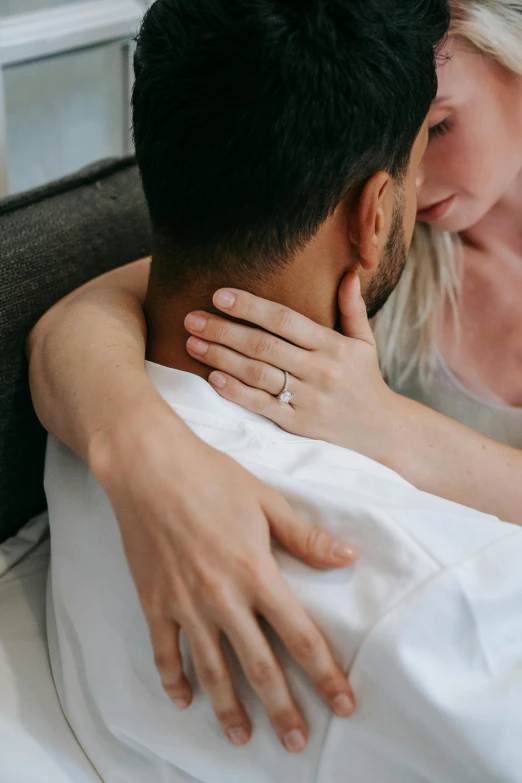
x=253, y=119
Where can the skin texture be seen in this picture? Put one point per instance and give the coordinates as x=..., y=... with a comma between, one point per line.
x=91, y=391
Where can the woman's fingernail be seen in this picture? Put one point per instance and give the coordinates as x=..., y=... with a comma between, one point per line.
x=294, y=741
x=195, y=323
x=218, y=380
x=238, y=736
x=343, y=706
x=224, y=299
x=197, y=346
x=357, y=285
x=344, y=551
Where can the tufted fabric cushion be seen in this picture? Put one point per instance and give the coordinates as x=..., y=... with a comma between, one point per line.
x=53, y=240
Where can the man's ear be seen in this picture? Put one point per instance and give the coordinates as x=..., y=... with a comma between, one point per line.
x=368, y=232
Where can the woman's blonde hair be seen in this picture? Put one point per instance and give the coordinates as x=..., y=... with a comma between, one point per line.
x=409, y=328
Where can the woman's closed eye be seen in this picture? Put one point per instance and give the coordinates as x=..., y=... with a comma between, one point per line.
x=440, y=129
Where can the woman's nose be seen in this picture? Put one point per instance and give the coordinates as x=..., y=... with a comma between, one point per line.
x=420, y=179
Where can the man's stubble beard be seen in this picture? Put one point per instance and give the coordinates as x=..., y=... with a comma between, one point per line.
x=391, y=266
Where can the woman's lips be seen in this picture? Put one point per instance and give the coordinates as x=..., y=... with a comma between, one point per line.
x=436, y=211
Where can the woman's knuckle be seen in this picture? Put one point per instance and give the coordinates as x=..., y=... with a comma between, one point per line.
x=220, y=331
x=303, y=645
x=167, y=665
x=255, y=375
x=152, y=604
x=262, y=345
x=332, y=375
x=213, y=593
x=261, y=673
x=223, y=612
x=246, y=305
x=315, y=539
x=211, y=676
x=330, y=684
x=283, y=319
x=249, y=569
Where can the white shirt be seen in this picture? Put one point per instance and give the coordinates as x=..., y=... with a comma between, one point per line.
x=428, y=623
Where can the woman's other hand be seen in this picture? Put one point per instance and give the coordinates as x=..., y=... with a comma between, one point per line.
x=197, y=535
x=339, y=394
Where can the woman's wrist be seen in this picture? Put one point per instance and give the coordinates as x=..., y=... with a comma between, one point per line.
x=380, y=434
x=404, y=432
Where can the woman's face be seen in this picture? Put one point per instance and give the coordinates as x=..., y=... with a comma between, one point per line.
x=474, y=154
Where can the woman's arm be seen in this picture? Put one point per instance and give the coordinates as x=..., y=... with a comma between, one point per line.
x=340, y=396
x=195, y=525
x=99, y=328
x=446, y=458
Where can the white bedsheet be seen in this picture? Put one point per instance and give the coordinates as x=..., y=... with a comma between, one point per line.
x=36, y=742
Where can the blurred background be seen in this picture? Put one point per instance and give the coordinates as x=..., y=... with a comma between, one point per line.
x=65, y=81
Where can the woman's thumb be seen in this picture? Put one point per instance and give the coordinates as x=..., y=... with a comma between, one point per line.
x=308, y=542
x=354, y=318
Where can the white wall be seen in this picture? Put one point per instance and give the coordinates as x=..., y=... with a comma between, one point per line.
x=63, y=113
x=64, y=86
x=21, y=6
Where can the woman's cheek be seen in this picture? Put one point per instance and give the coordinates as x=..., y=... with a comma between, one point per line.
x=485, y=175
x=458, y=176
x=456, y=159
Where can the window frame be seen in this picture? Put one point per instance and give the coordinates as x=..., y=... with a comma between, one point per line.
x=37, y=35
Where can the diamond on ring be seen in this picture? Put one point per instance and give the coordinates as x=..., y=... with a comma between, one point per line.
x=286, y=396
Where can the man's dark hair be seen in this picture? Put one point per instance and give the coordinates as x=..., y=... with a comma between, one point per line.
x=253, y=119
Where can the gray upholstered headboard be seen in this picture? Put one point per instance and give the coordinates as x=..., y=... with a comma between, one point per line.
x=51, y=241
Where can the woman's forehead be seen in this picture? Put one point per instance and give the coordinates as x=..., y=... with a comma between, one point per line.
x=460, y=66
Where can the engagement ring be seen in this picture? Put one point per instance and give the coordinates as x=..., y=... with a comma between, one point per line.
x=286, y=395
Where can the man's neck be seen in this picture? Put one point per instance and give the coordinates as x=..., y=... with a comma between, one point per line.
x=308, y=289
x=308, y=284
x=167, y=336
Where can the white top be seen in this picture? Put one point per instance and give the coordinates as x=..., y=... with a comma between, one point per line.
x=479, y=408
x=428, y=623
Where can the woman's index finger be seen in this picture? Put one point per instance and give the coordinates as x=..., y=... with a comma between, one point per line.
x=271, y=316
